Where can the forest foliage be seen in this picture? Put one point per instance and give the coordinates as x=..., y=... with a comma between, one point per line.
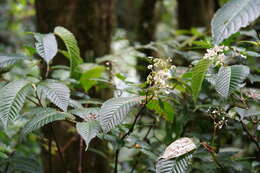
x=198, y=116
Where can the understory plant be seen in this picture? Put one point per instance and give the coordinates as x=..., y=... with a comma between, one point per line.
x=201, y=118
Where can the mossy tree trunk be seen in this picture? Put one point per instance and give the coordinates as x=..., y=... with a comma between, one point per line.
x=91, y=21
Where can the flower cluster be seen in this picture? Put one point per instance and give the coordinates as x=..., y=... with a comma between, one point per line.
x=219, y=117
x=217, y=54
x=160, y=75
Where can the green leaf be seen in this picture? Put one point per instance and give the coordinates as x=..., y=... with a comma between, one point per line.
x=114, y=111
x=24, y=164
x=44, y=116
x=174, y=165
x=8, y=60
x=46, y=46
x=120, y=76
x=230, y=79
x=232, y=16
x=3, y=155
x=177, y=156
x=88, y=130
x=244, y=113
x=87, y=79
x=72, y=47
x=12, y=98
x=57, y=93
x=162, y=108
x=198, y=75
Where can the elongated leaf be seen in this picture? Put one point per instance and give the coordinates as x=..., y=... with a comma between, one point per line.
x=198, y=75
x=114, y=111
x=88, y=130
x=12, y=98
x=232, y=16
x=223, y=81
x=176, y=157
x=244, y=113
x=174, y=165
x=8, y=60
x=57, y=93
x=230, y=79
x=87, y=79
x=164, y=166
x=44, y=116
x=46, y=46
x=178, y=148
x=72, y=47
x=24, y=164
x=86, y=113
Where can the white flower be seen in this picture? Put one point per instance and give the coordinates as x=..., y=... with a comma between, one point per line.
x=216, y=54
x=150, y=66
x=160, y=75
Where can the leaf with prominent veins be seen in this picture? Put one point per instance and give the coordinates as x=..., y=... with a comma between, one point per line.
x=46, y=46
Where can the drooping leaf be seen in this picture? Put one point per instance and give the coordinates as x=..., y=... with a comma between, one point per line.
x=88, y=130
x=72, y=48
x=87, y=79
x=176, y=157
x=178, y=148
x=198, y=75
x=230, y=79
x=57, y=93
x=42, y=117
x=164, y=166
x=114, y=111
x=12, y=98
x=86, y=113
x=232, y=16
x=46, y=46
x=24, y=164
x=244, y=113
x=8, y=60
x=174, y=165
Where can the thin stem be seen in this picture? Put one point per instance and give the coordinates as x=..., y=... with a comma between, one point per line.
x=213, y=154
x=80, y=155
x=47, y=70
x=7, y=167
x=58, y=147
x=214, y=134
x=8, y=163
x=130, y=130
x=34, y=102
x=116, y=160
x=133, y=125
x=38, y=99
x=216, y=160
x=251, y=137
x=50, y=155
x=145, y=139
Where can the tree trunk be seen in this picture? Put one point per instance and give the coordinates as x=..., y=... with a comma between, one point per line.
x=195, y=13
x=147, y=23
x=91, y=21
x=146, y=32
x=127, y=14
